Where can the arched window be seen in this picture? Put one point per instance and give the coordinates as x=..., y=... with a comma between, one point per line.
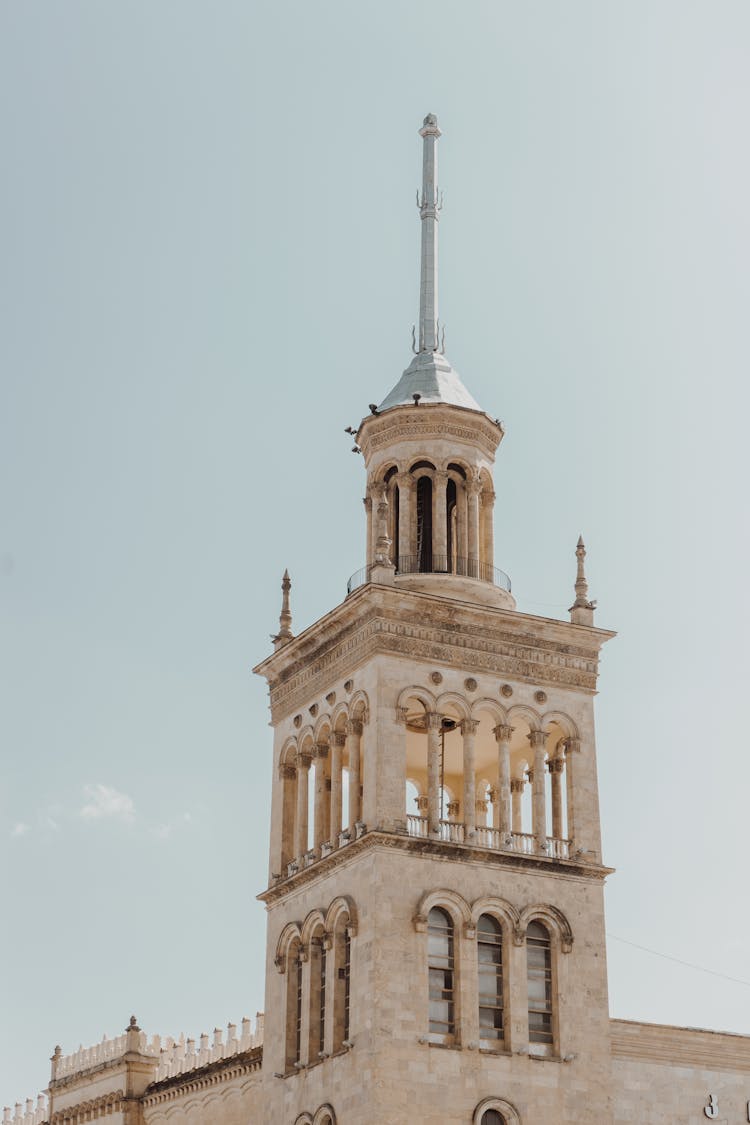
x=293, y=1005
x=317, y=996
x=492, y=1117
x=441, y=964
x=424, y=525
x=342, y=949
x=539, y=973
x=452, y=526
x=490, y=965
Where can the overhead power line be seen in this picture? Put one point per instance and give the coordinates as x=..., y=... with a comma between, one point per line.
x=679, y=961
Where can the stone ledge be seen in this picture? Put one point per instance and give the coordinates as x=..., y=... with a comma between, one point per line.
x=680, y=1046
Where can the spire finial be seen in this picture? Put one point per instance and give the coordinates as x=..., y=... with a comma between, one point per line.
x=582, y=610
x=430, y=205
x=285, y=633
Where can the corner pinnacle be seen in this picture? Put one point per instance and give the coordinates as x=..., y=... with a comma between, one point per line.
x=285, y=633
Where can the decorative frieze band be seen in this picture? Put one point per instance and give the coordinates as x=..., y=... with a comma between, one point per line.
x=481, y=648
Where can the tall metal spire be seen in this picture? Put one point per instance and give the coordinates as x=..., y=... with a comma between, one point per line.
x=429, y=205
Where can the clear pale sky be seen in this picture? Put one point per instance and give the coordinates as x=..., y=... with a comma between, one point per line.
x=209, y=267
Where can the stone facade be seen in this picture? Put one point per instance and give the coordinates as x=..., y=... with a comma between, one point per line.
x=436, y=939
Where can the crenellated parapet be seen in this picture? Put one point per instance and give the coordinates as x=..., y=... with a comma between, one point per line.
x=28, y=1112
x=179, y=1056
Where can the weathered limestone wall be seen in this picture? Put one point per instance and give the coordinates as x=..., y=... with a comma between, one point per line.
x=389, y=1075
x=218, y=1099
x=667, y=1075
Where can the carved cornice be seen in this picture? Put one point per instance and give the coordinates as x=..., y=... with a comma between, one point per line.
x=381, y=620
x=430, y=421
x=418, y=845
x=214, y=1074
x=90, y=1110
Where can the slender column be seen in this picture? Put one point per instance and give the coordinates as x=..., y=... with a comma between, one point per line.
x=407, y=531
x=303, y=769
x=434, y=723
x=440, y=521
x=556, y=767
x=538, y=738
x=572, y=749
x=337, y=742
x=354, y=748
x=488, y=504
x=469, y=730
x=428, y=210
x=503, y=734
x=370, y=548
x=494, y=796
x=382, y=541
x=473, y=488
x=516, y=793
x=462, y=548
x=321, y=753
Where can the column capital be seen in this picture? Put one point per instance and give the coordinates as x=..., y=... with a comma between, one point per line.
x=405, y=481
x=537, y=738
x=454, y=807
x=556, y=765
x=304, y=759
x=354, y=726
x=367, y=501
x=572, y=745
x=517, y=784
x=423, y=802
x=434, y=720
x=321, y=750
x=379, y=489
x=474, y=486
x=503, y=732
x=288, y=771
x=469, y=726
x=338, y=738
x=493, y=793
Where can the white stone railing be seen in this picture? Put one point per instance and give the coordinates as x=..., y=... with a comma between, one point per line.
x=27, y=1113
x=180, y=1055
x=86, y=1057
x=523, y=843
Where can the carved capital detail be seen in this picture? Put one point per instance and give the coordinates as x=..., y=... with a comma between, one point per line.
x=503, y=732
x=354, y=726
x=338, y=738
x=469, y=726
x=572, y=745
x=537, y=738
x=434, y=720
x=517, y=784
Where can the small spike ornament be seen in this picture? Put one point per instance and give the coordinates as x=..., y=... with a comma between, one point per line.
x=285, y=633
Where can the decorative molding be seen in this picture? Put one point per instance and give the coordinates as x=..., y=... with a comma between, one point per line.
x=506, y=691
x=482, y=646
x=194, y=1081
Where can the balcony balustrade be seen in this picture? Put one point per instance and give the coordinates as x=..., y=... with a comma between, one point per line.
x=522, y=843
x=448, y=565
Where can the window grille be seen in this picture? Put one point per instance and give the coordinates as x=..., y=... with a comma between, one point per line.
x=347, y=980
x=539, y=972
x=490, y=966
x=441, y=973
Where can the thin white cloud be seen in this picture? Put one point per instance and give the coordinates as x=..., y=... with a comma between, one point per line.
x=20, y=829
x=105, y=803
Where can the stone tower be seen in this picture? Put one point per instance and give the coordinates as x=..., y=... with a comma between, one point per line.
x=435, y=902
